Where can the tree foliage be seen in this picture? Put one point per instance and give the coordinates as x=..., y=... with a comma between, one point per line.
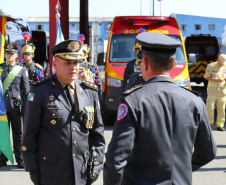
x=3, y=13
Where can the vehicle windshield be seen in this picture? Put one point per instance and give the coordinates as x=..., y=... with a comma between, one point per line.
x=223, y=45
x=17, y=39
x=121, y=49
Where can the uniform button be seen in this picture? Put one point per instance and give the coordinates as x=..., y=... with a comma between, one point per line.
x=7, y=95
x=74, y=142
x=44, y=158
x=7, y=88
x=73, y=155
x=54, y=114
x=72, y=117
x=33, y=74
x=73, y=129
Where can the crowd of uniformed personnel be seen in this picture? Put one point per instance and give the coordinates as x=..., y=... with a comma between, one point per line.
x=63, y=133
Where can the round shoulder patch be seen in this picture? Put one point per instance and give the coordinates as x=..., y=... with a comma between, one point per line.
x=122, y=111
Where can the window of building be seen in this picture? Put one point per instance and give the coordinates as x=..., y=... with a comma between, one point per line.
x=39, y=27
x=184, y=26
x=211, y=26
x=197, y=26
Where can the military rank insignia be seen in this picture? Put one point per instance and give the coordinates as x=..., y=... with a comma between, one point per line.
x=122, y=111
x=89, y=116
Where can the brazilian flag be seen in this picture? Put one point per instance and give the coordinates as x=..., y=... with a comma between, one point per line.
x=5, y=143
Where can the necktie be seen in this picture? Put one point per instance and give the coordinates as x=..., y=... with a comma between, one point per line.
x=69, y=95
x=9, y=67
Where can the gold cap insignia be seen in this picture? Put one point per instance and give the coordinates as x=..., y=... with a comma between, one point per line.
x=10, y=46
x=74, y=46
x=53, y=122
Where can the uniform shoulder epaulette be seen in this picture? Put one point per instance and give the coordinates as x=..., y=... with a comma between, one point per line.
x=92, y=64
x=131, y=60
x=38, y=65
x=20, y=64
x=39, y=82
x=133, y=89
x=91, y=85
x=194, y=92
x=133, y=74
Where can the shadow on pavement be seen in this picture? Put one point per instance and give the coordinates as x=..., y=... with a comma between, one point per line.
x=108, y=128
x=211, y=169
x=12, y=168
x=220, y=157
x=221, y=146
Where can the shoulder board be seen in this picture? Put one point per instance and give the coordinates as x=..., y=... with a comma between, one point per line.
x=92, y=64
x=132, y=60
x=213, y=64
x=38, y=65
x=39, y=82
x=133, y=89
x=194, y=92
x=91, y=85
x=20, y=64
x=133, y=74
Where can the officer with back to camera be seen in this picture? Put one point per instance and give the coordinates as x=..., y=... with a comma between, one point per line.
x=156, y=139
x=216, y=91
x=15, y=90
x=63, y=123
x=35, y=70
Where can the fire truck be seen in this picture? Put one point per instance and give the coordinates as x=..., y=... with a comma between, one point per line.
x=11, y=31
x=121, y=40
x=206, y=48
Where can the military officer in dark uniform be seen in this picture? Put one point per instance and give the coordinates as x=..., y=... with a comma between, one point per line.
x=62, y=123
x=131, y=67
x=35, y=70
x=95, y=78
x=156, y=140
x=136, y=78
x=15, y=91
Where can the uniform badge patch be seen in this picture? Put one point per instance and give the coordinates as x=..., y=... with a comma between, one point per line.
x=31, y=96
x=122, y=111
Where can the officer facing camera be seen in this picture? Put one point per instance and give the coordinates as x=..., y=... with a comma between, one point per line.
x=155, y=136
x=15, y=85
x=35, y=70
x=63, y=123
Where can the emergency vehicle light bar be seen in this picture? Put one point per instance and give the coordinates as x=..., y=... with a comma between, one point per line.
x=145, y=20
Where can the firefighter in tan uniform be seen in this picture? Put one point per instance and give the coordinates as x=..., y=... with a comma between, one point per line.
x=216, y=90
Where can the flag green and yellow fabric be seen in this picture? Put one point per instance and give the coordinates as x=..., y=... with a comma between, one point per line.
x=5, y=142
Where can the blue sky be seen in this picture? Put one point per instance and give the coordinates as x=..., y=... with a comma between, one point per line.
x=110, y=8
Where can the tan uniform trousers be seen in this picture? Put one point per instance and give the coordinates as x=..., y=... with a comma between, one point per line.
x=220, y=103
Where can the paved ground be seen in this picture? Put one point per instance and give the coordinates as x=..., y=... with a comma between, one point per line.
x=213, y=173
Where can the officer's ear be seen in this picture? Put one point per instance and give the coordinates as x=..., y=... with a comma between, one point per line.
x=54, y=64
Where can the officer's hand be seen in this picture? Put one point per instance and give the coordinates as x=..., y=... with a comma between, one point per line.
x=36, y=177
x=93, y=178
x=83, y=74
